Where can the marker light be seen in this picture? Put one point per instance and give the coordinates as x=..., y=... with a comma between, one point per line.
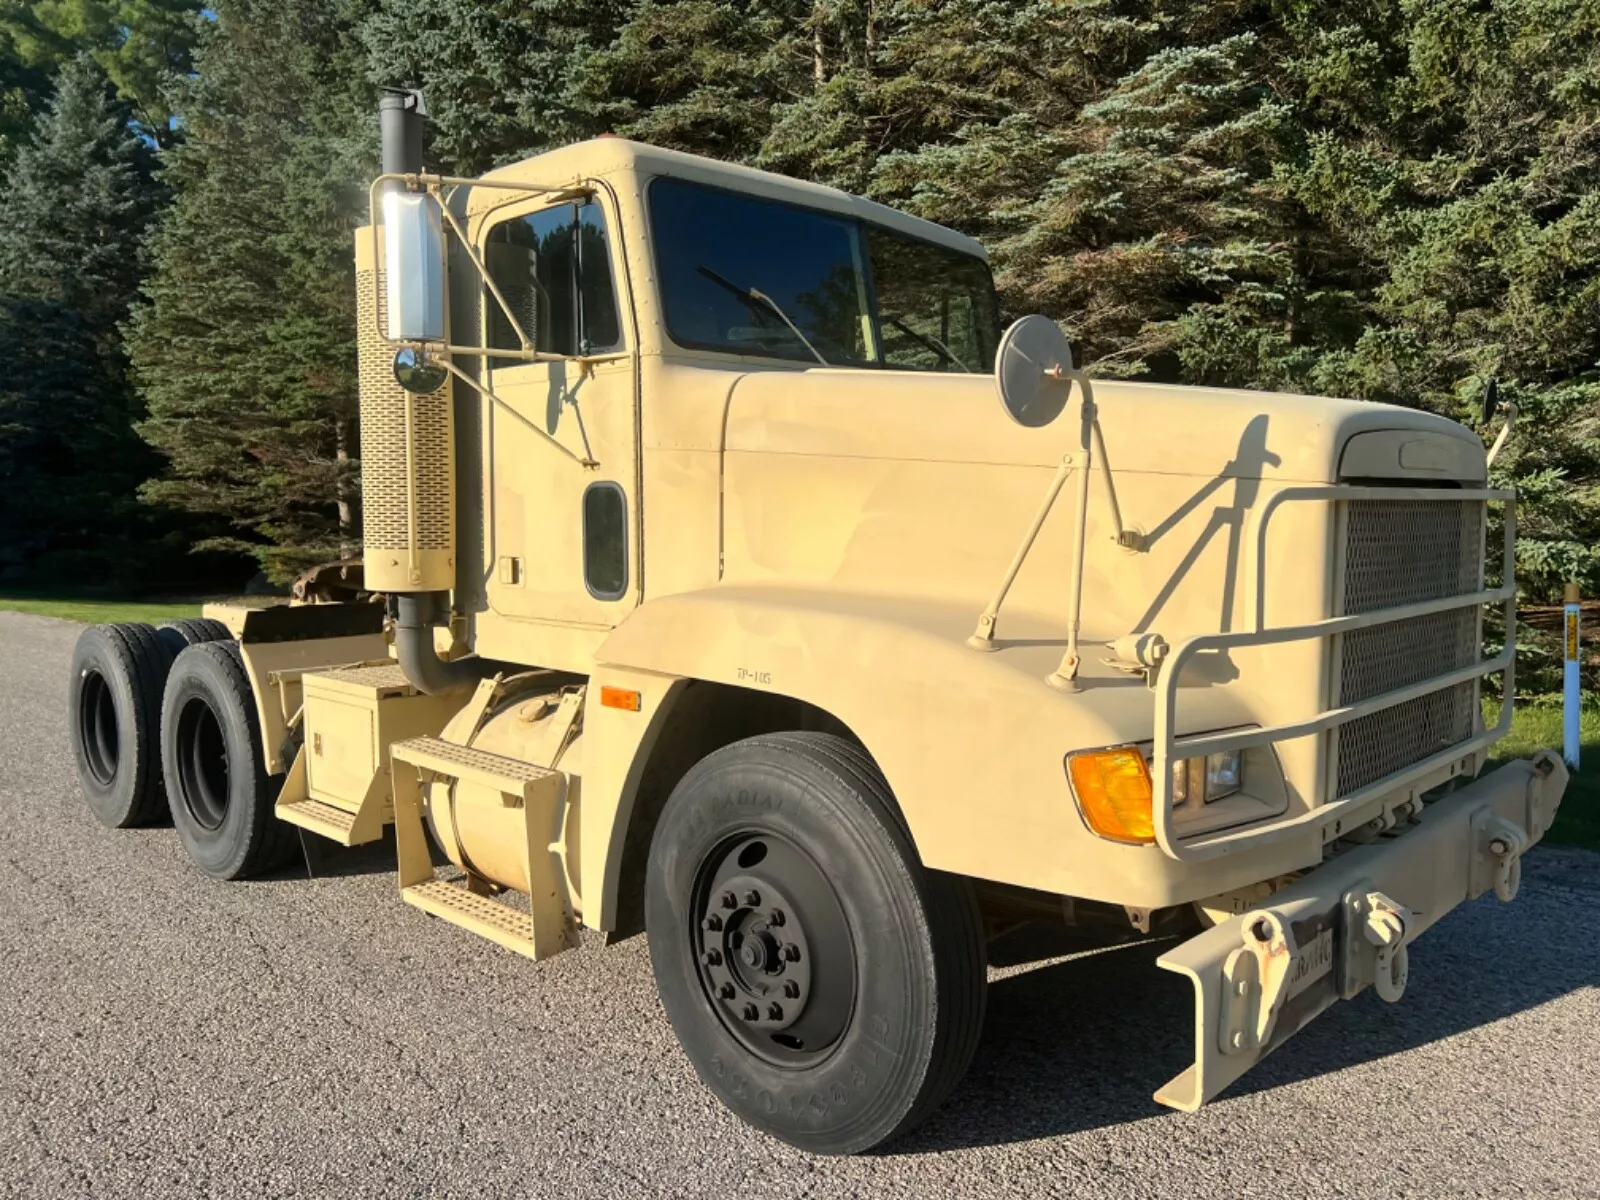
x=623, y=698
x=1114, y=794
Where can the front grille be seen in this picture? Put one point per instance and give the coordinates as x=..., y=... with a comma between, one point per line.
x=1407, y=552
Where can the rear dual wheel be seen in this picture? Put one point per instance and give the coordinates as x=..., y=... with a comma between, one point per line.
x=222, y=798
x=114, y=712
x=119, y=673
x=164, y=720
x=824, y=984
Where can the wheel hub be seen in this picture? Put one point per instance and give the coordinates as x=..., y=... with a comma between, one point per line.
x=774, y=954
x=762, y=980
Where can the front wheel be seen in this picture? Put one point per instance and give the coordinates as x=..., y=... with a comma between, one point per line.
x=824, y=984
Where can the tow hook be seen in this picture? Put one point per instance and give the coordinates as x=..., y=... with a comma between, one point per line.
x=1507, y=846
x=1500, y=844
x=1375, y=950
x=1256, y=979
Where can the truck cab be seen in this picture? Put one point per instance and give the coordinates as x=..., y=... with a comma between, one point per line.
x=749, y=581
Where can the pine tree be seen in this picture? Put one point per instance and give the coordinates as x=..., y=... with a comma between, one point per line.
x=77, y=204
x=142, y=45
x=245, y=347
x=79, y=197
x=23, y=92
x=502, y=79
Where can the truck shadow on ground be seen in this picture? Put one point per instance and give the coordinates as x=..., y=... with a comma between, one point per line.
x=1080, y=1044
x=321, y=859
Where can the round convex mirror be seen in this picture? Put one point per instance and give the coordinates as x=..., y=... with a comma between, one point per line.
x=1030, y=371
x=417, y=372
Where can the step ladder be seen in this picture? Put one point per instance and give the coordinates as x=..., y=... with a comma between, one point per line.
x=341, y=825
x=316, y=817
x=549, y=926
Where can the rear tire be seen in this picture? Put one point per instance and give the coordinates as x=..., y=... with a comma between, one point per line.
x=838, y=998
x=192, y=631
x=221, y=795
x=114, y=706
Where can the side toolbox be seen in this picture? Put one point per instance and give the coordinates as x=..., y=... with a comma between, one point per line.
x=340, y=784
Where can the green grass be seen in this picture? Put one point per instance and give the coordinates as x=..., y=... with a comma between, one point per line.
x=96, y=612
x=1537, y=726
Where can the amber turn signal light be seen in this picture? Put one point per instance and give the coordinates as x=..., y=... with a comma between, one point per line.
x=1114, y=793
x=624, y=698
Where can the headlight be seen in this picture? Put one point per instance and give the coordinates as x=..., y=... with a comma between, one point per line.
x=1114, y=792
x=1206, y=779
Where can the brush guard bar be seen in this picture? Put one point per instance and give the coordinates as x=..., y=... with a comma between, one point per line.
x=1169, y=747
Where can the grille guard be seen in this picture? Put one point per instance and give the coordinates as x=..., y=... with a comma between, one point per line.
x=1168, y=746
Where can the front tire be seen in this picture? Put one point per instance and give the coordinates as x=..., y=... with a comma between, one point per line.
x=827, y=987
x=221, y=795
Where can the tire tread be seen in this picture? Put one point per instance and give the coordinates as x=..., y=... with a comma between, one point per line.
x=947, y=913
x=271, y=841
x=955, y=926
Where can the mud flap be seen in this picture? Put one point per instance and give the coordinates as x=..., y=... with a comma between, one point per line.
x=1264, y=975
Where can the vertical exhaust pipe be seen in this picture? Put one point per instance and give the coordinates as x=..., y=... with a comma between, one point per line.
x=400, y=113
x=418, y=612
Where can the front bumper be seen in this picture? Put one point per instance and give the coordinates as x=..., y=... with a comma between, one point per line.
x=1264, y=975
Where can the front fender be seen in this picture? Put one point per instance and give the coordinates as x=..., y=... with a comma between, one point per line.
x=971, y=743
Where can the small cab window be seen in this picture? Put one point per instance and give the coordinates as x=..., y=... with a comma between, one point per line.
x=605, y=541
x=553, y=267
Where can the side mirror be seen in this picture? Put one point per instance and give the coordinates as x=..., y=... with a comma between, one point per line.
x=1491, y=400
x=1030, y=371
x=413, y=240
x=418, y=372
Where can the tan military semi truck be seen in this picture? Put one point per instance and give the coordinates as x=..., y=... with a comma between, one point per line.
x=744, y=583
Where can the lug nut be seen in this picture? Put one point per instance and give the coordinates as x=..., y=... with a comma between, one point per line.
x=712, y=923
x=729, y=900
x=791, y=989
x=775, y=917
x=726, y=991
x=752, y=897
x=775, y=1012
x=791, y=952
x=712, y=958
x=751, y=1012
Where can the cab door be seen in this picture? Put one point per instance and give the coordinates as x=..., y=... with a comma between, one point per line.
x=562, y=537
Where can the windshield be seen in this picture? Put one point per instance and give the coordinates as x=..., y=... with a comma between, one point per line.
x=758, y=277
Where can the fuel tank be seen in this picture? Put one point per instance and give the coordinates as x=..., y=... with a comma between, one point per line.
x=476, y=828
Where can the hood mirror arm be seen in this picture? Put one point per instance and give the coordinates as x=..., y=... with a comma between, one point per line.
x=1091, y=441
x=1491, y=402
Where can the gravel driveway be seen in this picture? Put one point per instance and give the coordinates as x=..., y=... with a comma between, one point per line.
x=165, y=1035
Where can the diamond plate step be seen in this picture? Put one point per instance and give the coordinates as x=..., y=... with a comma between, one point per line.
x=475, y=766
x=489, y=918
x=324, y=819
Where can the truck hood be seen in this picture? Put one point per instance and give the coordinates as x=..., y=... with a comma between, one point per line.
x=1148, y=428
x=920, y=489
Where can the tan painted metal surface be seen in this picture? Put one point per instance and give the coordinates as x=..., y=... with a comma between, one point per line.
x=1261, y=976
x=1276, y=575
x=351, y=716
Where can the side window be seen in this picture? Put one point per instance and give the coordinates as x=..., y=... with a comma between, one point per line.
x=605, y=541
x=935, y=306
x=554, y=269
x=531, y=261
x=597, y=299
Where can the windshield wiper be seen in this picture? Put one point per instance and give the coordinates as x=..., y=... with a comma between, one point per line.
x=931, y=342
x=754, y=299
